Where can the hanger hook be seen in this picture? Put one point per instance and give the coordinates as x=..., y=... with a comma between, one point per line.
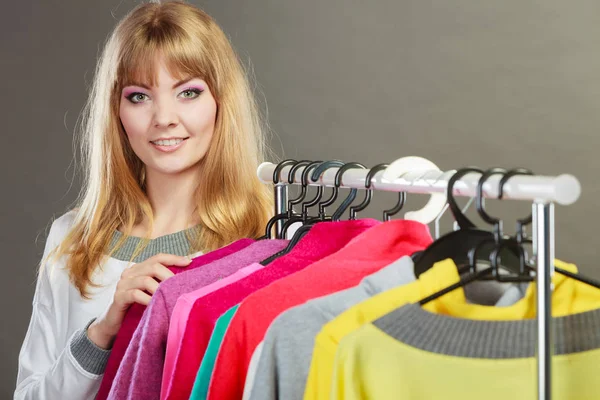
x=457, y=214
x=338, y=182
x=498, y=241
x=294, y=169
x=520, y=234
x=276, y=180
x=304, y=182
x=319, y=195
x=334, y=194
x=279, y=168
x=387, y=214
x=523, y=267
x=302, y=195
x=369, y=192
x=496, y=222
x=324, y=166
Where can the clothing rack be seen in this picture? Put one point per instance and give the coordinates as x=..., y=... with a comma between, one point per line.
x=542, y=191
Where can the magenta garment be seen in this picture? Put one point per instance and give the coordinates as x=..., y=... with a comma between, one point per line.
x=148, y=344
x=321, y=241
x=135, y=312
x=179, y=320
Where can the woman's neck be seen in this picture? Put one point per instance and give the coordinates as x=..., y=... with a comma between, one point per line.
x=173, y=202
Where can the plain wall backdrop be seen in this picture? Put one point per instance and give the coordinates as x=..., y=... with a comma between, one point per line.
x=511, y=83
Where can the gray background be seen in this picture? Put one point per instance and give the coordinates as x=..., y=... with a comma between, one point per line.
x=512, y=83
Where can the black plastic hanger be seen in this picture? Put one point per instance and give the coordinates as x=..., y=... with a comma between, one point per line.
x=456, y=245
x=291, y=202
x=303, y=187
x=303, y=230
x=319, y=169
x=369, y=192
x=334, y=194
x=479, y=275
x=276, y=180
x=387, y=214
x=497, y=240
x=322, y=216
x=522, y=273
x=303, y=217
x=520, y=238
x=337, y=214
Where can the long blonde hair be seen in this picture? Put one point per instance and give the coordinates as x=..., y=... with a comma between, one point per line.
x=231, y=202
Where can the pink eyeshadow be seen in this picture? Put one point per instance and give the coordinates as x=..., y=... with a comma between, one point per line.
x=130, y=91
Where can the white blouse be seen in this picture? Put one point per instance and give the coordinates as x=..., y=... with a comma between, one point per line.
x=57, y=360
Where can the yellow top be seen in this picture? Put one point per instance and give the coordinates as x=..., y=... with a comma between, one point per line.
x=441, y=275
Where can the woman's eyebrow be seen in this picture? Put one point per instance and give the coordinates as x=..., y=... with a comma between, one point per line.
x=181, y=82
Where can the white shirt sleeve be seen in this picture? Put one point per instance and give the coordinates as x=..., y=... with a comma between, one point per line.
x=48, y=368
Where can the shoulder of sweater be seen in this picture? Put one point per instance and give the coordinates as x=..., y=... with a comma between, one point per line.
x=61, y=226
x=55, y=271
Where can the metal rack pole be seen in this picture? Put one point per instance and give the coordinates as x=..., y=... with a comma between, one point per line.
x=281, y=194
x=563, y=189
x=543, y=223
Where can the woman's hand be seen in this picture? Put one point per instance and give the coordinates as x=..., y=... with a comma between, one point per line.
x=133, y=287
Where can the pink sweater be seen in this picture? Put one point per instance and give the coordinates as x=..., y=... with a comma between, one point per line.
x=367, y=254
x=179, y=321
x=139, y=375
x=135, y=312
x=321, y=241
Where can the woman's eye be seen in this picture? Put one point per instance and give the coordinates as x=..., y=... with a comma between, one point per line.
x=136, y=97
x=191, y=93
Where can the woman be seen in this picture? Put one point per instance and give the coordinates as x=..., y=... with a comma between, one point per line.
x=171, y=142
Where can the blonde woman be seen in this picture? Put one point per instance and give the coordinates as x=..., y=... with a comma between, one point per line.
x=171, y=139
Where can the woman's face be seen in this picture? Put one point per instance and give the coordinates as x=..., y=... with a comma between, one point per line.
x=170, y=125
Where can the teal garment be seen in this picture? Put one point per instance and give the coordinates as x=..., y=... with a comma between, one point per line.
x=200, y=390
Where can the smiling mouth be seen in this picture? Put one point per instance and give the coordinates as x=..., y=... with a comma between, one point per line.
x=168, y=145
x=168, y=142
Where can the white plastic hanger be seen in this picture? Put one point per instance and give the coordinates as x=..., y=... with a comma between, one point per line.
x=437, y=201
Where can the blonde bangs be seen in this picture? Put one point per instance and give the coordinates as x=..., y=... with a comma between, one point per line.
x=184, y=55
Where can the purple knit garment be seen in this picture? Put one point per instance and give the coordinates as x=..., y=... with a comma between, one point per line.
x=136, y=312
x=144, y=358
